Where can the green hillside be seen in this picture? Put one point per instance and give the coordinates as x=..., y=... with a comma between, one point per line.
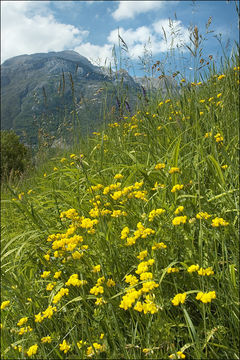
x=126, y=247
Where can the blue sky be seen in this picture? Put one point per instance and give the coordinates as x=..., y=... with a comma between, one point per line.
x=91, y=28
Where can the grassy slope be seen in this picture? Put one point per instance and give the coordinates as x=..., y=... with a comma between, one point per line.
x=172, y=133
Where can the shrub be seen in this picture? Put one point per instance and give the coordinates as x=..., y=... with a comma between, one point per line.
x=15, y=157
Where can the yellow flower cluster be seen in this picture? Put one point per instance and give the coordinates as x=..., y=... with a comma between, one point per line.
x=219, y=222
x=154, y=213
x=218, y=138
x=141, y=232
x=179, y=220
x=32, y=350
x=48, y=313
x=24, y=330
x=95, y=349
x=46, y=339
x=65, y=347
x=148, y=306
x=73, y=280
x=178, y=210
x=206, y=297
x=22, y=321
x=160, y=166
x=176, y=188
x=160, y=245
x=142, y=254
x=208, y=134
x=208, y=271
x=111, y=187
x=172, y=270
x=203, y=215
x=180, y=355
x=4, y=304
x=203, y=272
x=174, y=170
x=60, y=294
x=124, y=233
x=179, y=299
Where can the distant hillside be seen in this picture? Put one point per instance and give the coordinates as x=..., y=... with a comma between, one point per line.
x=39, y=92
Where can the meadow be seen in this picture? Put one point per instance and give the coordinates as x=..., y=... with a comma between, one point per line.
x=126, y=247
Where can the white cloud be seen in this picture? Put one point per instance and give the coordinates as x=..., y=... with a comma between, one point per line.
x=96, y=53
x=172, y=33
x=129, y=9
x=26, y=29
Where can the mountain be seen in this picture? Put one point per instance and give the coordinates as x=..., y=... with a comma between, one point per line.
x=49, y=94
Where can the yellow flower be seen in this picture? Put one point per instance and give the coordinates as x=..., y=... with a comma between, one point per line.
x=55, y=168
x=99, y=301
x=167, y=101
x=172, y=270
x=160, y=245
x=46, y=339
x=57, y=274
x=131, y=279
x=201, y=113
x=160, y=166
x=101, y=336
x=193, y=268
x=50, y=286
x=29, y=191
x=142, y=255
x=221, y=77
x=39, y=318
x=118, y=176
x=180, y=355
x=203, y=215
x=95, y=290
x=178, y=210
x=47, y=257
x=45, y=274
x=179, y=220
x=146, y=276
x=32, y=350
x=208, y=271
x=206, y=297
x=80, y=344
x=110, y=283
x=5, y=304
x=224, y=167
x=96, y=268
x=202, y=101
x=59, y=295
x=48, y=313
x=183, y=80
x=22, y=321
x=174, y=170
x=218, y=95
x=64, y=346
x=124, y=233
x=72, y=156
x=160, y=104
x=154, y=213
x=219, y=222
x=211, y=99
x=179, y=298
x=176, y=188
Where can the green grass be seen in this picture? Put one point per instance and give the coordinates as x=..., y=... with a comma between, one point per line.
x=172, y=133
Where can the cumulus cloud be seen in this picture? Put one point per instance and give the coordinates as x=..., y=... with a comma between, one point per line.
x=129, y=9
x=172, y=34
x=100, y=55
x=27, y=29
x=162, y=36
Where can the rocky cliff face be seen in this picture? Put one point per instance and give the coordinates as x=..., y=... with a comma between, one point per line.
x=40, y=91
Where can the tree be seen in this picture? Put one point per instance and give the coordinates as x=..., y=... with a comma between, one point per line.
x=15, y=156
